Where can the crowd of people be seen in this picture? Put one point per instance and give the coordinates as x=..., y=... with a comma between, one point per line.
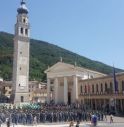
x=48, y=113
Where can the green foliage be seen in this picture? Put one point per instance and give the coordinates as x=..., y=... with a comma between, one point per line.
x=42, y=55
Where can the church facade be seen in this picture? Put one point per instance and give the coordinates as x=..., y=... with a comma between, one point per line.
x=63, y=82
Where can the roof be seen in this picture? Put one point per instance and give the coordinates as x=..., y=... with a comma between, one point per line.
x=104, y=77
x=72, y=67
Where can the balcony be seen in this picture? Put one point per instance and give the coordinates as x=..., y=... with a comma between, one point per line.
x=100, y=94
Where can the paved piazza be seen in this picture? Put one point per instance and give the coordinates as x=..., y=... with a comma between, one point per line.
x=67, y=125
x=118, y=122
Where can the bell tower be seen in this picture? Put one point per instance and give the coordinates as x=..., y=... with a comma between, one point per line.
x=20, y=90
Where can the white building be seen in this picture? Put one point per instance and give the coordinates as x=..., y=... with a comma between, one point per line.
x=62, y=82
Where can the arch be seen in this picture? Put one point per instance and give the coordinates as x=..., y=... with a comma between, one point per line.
x=21, y=30
x=24, y=20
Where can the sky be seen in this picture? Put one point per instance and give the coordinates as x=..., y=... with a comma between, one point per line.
x=91, y=28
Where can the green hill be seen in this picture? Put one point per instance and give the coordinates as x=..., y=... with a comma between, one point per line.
x=42, y=55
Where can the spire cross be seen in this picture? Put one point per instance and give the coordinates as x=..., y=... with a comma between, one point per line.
x=22, y=1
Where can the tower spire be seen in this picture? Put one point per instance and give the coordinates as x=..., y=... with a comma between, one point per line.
x=20, y=89
x=22, y=8
x=23, y=1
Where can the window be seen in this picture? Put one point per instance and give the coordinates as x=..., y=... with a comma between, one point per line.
x=92, y=88
x=111, y=87
x=97, y=90
x=81, y=101
x=20, y=68
x=91, y=76
x=51, y=81
x=26, y=31
x=122, y=85
x=51, y=89
x=106, y=88
x=22, y=99
x=21, y=31
x=101, y=87
x=24, y=20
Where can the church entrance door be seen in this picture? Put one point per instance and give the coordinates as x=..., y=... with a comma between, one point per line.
x=69, y=98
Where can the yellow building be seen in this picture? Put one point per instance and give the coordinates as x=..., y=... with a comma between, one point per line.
x=99, y=93
x=37, y=91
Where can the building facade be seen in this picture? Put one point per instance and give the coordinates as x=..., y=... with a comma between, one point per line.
x=37, y=91
x=63, y=82
x=99, y=93
x=20, y=90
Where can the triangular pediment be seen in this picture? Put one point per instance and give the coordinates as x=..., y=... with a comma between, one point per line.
x=60, y=67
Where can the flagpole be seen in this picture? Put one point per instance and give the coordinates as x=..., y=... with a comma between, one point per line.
x=115, y=103
x=89, y=92
x=116, y=90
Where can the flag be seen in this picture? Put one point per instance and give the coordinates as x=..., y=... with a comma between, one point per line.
x=115, y=81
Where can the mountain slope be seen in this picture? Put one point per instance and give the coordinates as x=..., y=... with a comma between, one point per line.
x=42, y=55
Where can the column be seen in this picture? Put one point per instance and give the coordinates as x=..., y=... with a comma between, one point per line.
x=75, y=89
x=56, y=85
x=65, y=90
x=48, y=90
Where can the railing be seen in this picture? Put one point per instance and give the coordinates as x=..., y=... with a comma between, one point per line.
x=102, y=94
